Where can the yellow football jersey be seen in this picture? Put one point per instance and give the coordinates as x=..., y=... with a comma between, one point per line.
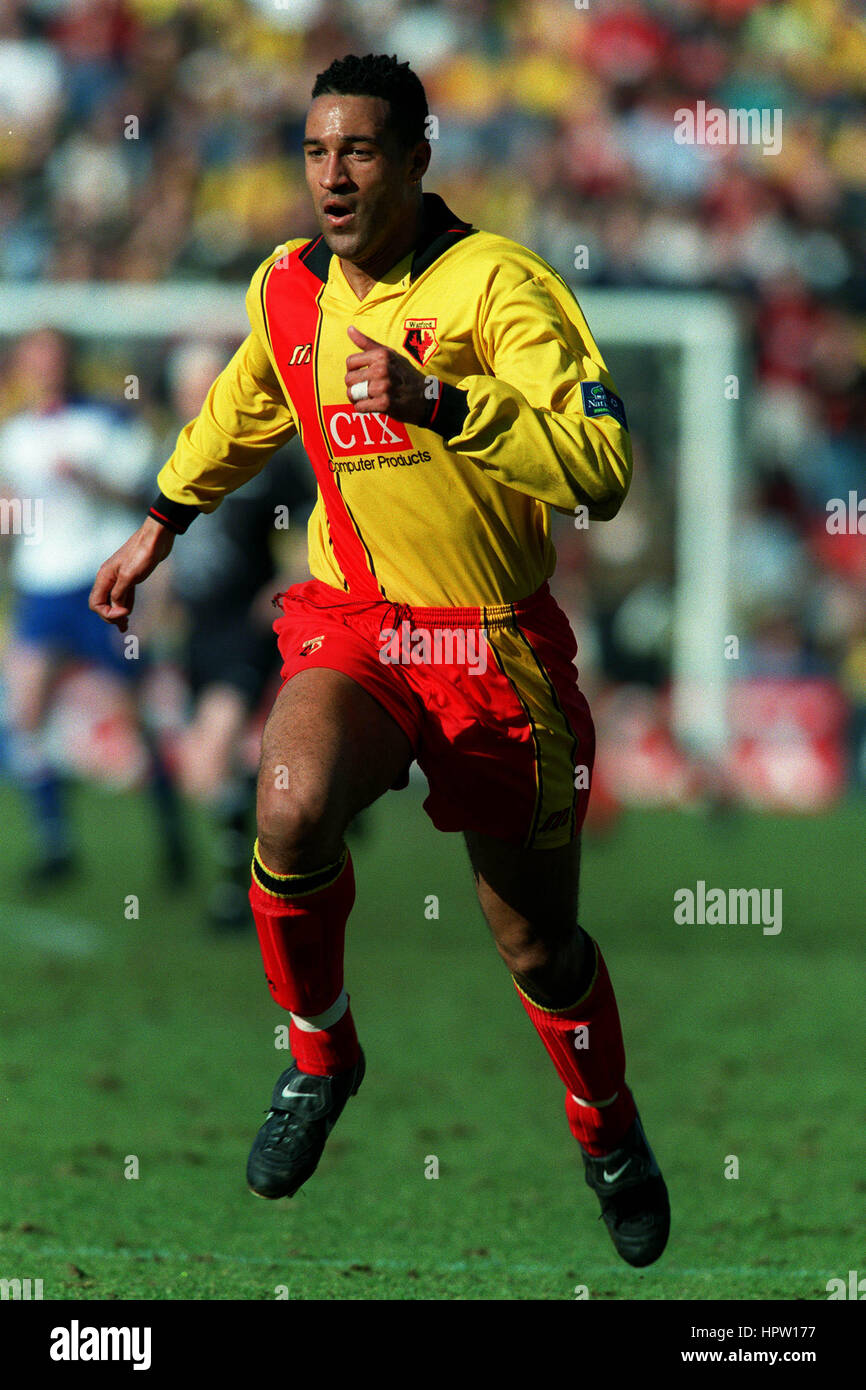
x=524, y=417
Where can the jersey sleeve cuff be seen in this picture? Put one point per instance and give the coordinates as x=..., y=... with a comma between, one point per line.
x=450, y=409
x=175, y=516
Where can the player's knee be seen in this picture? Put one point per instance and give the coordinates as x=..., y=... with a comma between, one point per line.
x=297, y=824
x=541, y=956
x=528, y=958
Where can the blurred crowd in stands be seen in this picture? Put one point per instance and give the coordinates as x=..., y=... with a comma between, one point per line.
x=144, y=140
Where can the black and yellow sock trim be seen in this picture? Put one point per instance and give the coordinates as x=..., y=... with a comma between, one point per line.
x=295, y=885
x=569, y=1008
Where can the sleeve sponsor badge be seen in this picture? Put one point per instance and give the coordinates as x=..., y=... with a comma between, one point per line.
x=598, y=400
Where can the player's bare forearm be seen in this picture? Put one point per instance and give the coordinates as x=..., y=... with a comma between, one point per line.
x=113, y=593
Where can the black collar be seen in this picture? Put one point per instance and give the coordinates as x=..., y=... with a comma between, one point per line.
x=440, y=229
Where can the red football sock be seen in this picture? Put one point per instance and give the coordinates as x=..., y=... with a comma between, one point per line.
x=585, y=1044
x=301, y=925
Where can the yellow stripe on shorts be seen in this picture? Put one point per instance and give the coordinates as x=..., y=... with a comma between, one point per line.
x=554, y=740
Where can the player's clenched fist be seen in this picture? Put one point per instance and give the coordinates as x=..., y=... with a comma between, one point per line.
x=381, y=380
x=113, y=594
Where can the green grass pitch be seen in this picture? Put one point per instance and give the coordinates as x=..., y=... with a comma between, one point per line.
x=148, y=1039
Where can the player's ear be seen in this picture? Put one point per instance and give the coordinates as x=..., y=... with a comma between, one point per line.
x=420, y=161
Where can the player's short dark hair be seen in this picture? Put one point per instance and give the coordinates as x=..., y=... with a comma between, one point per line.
x=377, y=75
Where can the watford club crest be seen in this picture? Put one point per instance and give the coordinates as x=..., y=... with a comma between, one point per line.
x=420, y=339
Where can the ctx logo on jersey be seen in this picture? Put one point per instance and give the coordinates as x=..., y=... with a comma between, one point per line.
x=370, y=433
x=311, y=645
x=420, y=339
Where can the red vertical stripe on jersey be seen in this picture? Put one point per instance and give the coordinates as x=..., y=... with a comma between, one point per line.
x=294, y=318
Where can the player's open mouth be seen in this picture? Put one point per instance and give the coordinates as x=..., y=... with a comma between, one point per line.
x=338, y=214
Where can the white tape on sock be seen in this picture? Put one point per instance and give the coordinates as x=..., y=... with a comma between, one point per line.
x=595, y=1104
x=316, y=1022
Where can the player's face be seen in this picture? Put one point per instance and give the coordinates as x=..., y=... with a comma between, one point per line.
x=364, y=185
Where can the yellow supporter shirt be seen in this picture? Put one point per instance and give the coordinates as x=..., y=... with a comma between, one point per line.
x=453, y=515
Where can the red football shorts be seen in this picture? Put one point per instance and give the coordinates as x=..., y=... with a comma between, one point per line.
x=488, y=698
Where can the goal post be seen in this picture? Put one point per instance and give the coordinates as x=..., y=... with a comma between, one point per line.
x=701, y=328
x=704, y=330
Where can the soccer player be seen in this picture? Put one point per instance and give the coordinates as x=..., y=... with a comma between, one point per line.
x=449, y=394
x=81, y=470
